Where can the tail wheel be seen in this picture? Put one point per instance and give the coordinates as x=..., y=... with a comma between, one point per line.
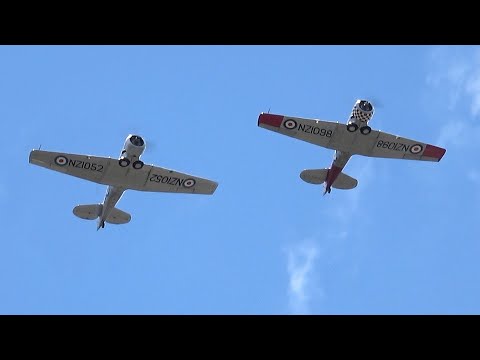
x=352, y=127
x=365, y=130
x=124, y=162
x=137, y=164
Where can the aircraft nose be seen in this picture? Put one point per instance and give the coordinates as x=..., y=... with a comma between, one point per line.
x=137, y=140
x=365, y=105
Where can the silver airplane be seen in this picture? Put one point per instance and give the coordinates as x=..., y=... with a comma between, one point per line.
x=127, y=172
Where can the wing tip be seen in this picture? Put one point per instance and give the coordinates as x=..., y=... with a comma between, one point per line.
x=210, y=190
x=31, y=157
x=434, y=152
x=214, y=187
x=269, y=119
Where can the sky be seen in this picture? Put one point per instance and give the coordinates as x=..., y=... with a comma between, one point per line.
x=404, y=241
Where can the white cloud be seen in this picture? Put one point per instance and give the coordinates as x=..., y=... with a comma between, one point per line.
x=360, y=168
x=458, y=73
x=455, y=71
x=300, y=265
x=472, y=88
x=304, y=286
x=454, y=133
x=452, y=73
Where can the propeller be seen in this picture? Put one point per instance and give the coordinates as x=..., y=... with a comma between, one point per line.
x=375, y=101
x=123, y=131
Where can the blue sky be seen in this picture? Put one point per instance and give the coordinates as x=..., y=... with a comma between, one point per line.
x=405, y=241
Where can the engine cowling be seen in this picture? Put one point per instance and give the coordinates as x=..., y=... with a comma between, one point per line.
x=362, y=113
x=133, y=147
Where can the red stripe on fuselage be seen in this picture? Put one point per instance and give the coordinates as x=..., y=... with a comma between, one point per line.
x=332, y=175
x=434, y=152
x=270, y=119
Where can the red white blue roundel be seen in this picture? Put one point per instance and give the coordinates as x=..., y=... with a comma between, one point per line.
x=189, y=183
x=290, y=124
x=61, y=160
x=415, y=149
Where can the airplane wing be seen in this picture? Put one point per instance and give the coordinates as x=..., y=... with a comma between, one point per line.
x=159, y=179
x=327, y=134
x=93, y=168
x=107, y=171
x=333, y=135
x=383, y=145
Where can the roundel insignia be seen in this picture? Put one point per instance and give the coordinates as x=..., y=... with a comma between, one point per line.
x=61, y=160
x=189, y=183
x=415, y=149
x=290, y=124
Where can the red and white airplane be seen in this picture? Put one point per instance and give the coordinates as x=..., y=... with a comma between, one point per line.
x=353, y=138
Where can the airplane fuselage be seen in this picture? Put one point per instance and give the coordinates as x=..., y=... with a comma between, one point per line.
x=131, y=152
x=339, y=161
x=112, y=197
x=361, y=114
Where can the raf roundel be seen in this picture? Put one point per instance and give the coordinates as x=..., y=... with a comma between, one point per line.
x=290, y=124
x=189, y=183
x=61, y=160
x=415, y=149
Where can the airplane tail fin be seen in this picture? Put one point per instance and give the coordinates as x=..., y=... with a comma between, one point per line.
x=88, y=212
x=118, y=216
x=318, y=176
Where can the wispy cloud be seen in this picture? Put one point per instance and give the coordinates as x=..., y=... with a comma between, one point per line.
x=460, y=133
x=305, y=287
x=446, y=70
x=360, y=168
x=472, y=88
x=300, y=266
x=448, y=67
x=454, y=132
x=455, y=71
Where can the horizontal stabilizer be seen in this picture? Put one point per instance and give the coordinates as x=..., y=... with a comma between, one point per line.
x=319, y=176
x=88, y=212
x=314, y=176
x=344, y=182
x=118, y=216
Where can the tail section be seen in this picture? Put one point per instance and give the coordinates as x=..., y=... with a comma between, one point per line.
x=319, y=176
x=314, y=176
x=344, y=182
x=88, y=212
x=91, y=212
x=118, y=216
